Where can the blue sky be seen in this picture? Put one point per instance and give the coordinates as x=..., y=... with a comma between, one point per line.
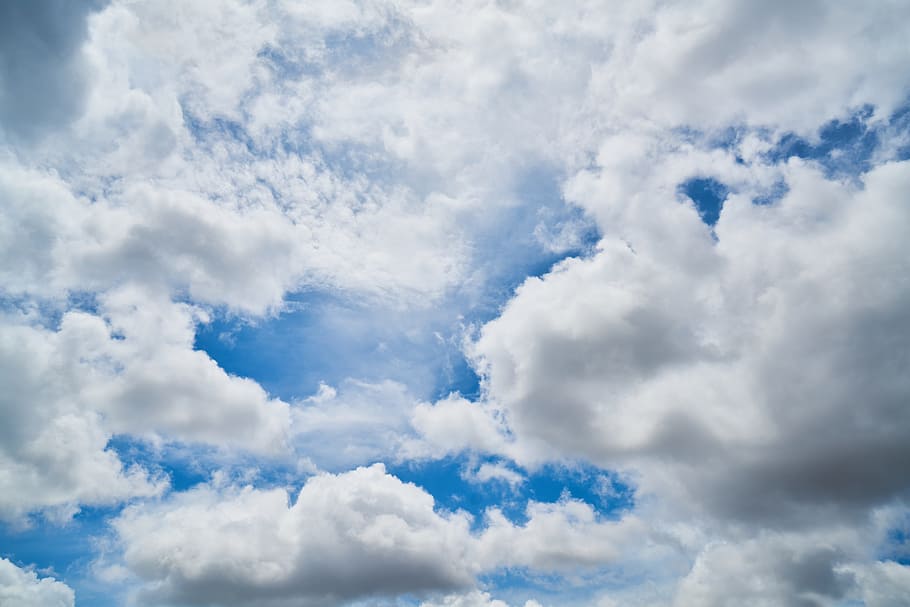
x=479, y=305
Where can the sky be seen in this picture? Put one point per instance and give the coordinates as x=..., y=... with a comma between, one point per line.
x=393, y=303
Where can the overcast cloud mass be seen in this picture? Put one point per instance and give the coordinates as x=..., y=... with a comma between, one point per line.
x=454, y=304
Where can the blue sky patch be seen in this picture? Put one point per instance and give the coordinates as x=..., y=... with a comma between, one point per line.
x=843, y=147
x=708, y=194
x=64, y=551
x=450, y=483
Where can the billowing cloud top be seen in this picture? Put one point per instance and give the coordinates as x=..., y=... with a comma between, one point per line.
x=437, y=304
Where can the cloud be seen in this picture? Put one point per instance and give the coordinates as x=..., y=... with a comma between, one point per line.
x=885, y=584
x=24, y=588
x=565, y=537
x=765, y=572
x=489, y=472
x=129, y=369
x=43, y=72
x=160, y=384
x=472, y=599
x=356, y=534
x=453, y=424
x=358, y=424
x=723, y=62
x=52, y=447
x=208, y=159
x=752, y=378
x=351, y=535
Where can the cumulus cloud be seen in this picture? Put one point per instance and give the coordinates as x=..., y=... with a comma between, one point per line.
x=356, y=534
x=562, y=537
x=23, y=588
x=52, y=447
x=157, y=383
x=472, y=599
x=130, y=369
x=210, y=158
x=750, y=378
x=766, y=572
x=454, y=424
x=765, y=65
x=774, y=353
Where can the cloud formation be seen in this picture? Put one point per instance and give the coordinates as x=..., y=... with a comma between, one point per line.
x=44, y=76
x=168, y=166
x=352, y=535
x=24, y=588
x=773, y=353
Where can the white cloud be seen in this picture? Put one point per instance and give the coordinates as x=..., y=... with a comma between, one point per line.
x=780, y=65
x=475, y=598
x=565, y=537
x=225, y=154
x=160, y=385
x=734, y=354
x=750, y=382
x=357, y=424
x=357, y=534
x=454, y=424
x=130, y=369
x=23, y=588
x=53, y=453
x=766, y=572
x=488, y=472
x=884, y=584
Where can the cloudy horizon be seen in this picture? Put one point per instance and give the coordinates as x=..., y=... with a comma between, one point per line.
x=393, y=303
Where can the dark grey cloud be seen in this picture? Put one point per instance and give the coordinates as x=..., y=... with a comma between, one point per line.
x=43, y=77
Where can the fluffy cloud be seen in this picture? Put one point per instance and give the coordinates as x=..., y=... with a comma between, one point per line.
x=885, y=584
x=159, y=384
x=766, y=572
x=24, y=588
x=53, y=452
x=749, y=375
x=222, y=155
x=564, y=537
x=453, y=424
x=776, y=64
x=356, y=534
x=472, y=599
x=130, y=369
x=756, y=377
x=178, y=241
x=488, y=472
